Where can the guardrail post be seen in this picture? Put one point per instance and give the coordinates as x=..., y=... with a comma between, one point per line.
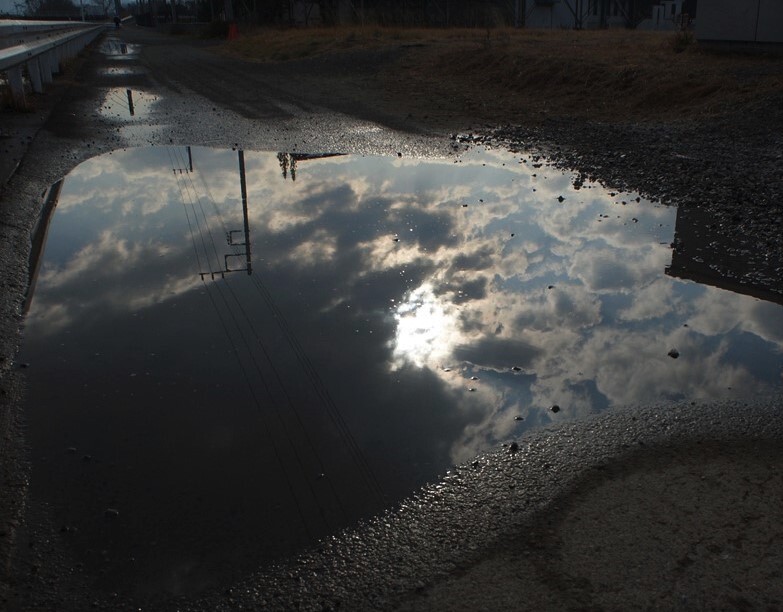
x=59, y=60
x=47, y=69
x=16, y=85
x=34, y=70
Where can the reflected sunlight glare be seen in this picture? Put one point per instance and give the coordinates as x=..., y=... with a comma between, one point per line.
x=426, y=329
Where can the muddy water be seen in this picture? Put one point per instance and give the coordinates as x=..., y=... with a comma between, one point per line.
x=217, y=381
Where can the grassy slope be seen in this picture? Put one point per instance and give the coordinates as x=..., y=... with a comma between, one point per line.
x=518, y=75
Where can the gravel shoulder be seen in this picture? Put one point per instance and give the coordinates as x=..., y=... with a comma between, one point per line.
x=590, y=515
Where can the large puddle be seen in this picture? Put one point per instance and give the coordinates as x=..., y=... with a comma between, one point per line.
x=218, y=381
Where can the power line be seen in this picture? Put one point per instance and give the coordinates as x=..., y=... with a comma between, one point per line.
x=322, y=393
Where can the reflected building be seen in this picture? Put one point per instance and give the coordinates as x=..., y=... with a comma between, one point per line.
x=706, y=253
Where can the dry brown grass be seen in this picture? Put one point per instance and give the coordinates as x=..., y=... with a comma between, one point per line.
x=267, y=44
x=608, y=74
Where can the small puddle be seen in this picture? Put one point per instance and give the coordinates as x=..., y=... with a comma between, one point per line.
x=233, y=355
x=120, y=71
x=118, y=50
x=124, y=103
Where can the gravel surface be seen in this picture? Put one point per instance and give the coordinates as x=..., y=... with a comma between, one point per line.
x=503, y=529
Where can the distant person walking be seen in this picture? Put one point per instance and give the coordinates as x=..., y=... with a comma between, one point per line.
x=117, y=22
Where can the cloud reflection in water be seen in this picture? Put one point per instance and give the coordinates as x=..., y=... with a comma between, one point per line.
x=446, y=304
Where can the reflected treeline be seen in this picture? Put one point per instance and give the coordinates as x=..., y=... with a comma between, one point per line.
x=705, y=253
x=289, y=161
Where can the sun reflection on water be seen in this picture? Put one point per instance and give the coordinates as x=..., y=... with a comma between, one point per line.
x=427, y=329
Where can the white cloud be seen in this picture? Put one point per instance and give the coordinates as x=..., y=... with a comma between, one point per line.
x=567, y=292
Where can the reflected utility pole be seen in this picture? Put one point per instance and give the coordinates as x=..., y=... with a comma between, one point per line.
x=243, y=188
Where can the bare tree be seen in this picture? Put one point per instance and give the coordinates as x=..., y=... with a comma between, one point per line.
x=104, y=5
x=52, y=8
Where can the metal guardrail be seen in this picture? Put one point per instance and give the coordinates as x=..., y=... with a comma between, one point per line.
x=39, y=48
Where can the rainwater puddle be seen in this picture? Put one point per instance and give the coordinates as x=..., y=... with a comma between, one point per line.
x=216, y=380
x=123, y=103
x=120, y=71
x=118, y=50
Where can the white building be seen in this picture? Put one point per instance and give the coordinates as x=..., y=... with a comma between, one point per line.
x=740, y=21
x=590, y=14
x=577, y=14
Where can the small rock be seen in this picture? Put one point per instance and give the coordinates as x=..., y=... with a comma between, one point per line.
x=111, y=513
x=518, y=418
x=560, y=198
x=514, y=447
x=674, y=353
x=516, y=369
x=555, y=408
